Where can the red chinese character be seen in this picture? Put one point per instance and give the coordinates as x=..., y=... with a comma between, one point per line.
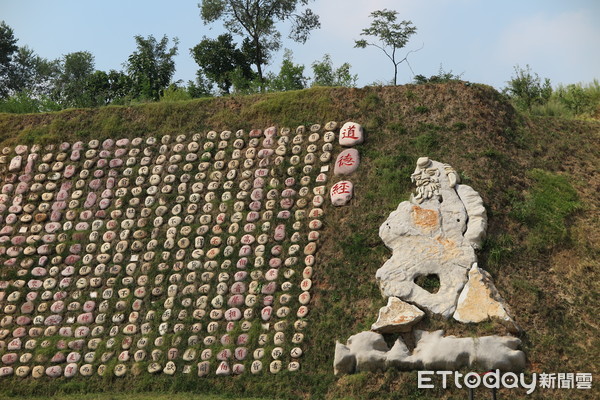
x=350, y=133
x=340, y=188
x=346, y=160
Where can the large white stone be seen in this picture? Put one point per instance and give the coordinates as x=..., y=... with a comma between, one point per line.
x=397, y=316
x=368, y=351
x=426, y=235
x=480, y=300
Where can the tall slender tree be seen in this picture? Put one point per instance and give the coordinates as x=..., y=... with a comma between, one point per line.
x=389, y=36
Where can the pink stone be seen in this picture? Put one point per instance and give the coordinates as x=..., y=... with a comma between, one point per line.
x=284, y=214
x=275, y=262
x=23, y=320
x=9, y=358
x=95, y=184
x=52, y=320
x=268, y=300
x=245, y=251
x=122, y=142
x=242, y=263
x=75, y=156
x=85, y=318
x=104, y=204
x=252, y=216
x=272, y=274
x=235, y=300
x=270, y=131
x=288, y=193
x=108, y=144
x=266, y=312
x=54, y=371
x=279, y=234
x=233, y=314
x=90, y=200
x=238, y=288
x=39, y=271
x=347, y=162
x=69, y=171
x=351, y=134
x=115, y=162
x=269, y=288
x=257, y=194
x=255, y=205
x=264, y=153
x=286, y=203
x=341, y=193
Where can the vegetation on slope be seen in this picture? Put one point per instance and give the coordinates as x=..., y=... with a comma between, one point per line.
x=538, y=177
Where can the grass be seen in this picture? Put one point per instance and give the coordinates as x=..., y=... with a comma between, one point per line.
x=538, y=179
x=133, y=396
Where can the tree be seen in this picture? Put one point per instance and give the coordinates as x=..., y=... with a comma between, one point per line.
x=107, y=88
x=256, y=20
x=8, y=47
x=218, y=58
x=390, y=36
x=151, y=66
x=32, y=74
x=325, y=75
x=72, y=82
x=527, y=89
x=290, y=75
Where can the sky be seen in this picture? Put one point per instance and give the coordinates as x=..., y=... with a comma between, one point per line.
x=480, y=40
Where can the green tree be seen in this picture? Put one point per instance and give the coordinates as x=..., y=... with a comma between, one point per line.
x=526, y=89
x=8, y=47
x=107, y=88
x=151, y=66
x=218, y=58
x=290, y=77
x=256, y=21
x=390, y=36
x=201, y=87
x=32, y=74
x=70, y=88
x=326, y=75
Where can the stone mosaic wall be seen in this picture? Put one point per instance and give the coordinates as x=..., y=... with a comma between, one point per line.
x=187, y=254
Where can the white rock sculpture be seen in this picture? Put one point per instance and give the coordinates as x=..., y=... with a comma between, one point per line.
x=427, y=237
x=368, y=351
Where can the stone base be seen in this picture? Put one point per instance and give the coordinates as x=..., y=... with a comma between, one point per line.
x=368, y=351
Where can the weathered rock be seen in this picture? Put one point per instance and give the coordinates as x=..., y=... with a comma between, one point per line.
x=480, y=300
x=397, y=316
x=368, y=351
x=426, y=238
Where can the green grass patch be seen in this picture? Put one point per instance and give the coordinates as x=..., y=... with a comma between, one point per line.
x=546, y=209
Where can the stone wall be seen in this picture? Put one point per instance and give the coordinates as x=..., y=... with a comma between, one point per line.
x=188, y=254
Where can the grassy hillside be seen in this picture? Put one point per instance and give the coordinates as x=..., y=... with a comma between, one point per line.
x=539, y=179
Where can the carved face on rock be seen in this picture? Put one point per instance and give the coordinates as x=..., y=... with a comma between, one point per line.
x=427, y=178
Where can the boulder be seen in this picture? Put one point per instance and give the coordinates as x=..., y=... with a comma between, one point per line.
x=397, y=316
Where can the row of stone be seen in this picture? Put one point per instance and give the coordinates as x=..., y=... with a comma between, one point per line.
x=346, y=163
